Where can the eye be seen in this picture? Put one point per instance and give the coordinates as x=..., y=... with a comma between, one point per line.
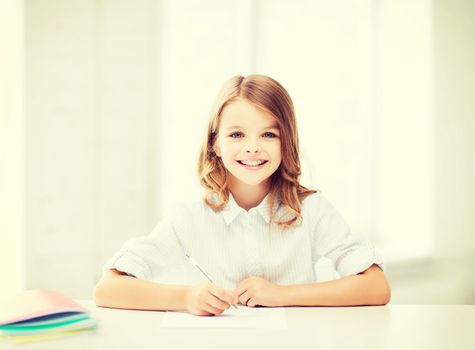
x=269, y=134
x=236, y=135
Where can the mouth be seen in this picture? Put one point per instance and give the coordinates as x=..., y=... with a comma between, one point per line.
x=253, y=164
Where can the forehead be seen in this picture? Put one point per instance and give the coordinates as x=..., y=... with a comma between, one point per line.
x=243, y=113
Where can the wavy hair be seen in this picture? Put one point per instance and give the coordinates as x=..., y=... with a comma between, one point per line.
x=268, y=95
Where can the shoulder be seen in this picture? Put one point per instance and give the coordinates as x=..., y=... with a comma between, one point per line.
x=313, y=201
x=187, y=218
x=317, y=205
x=321, y=212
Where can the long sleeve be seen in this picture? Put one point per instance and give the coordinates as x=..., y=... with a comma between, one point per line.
x=150, y=257
x=349, y=253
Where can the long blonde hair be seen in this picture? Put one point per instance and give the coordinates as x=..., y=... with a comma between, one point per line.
x=267, y=94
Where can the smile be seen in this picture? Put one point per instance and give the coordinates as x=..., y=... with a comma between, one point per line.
x=252, y=164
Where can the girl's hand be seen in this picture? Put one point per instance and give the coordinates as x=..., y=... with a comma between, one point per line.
x=257, y=291
x=209, y=299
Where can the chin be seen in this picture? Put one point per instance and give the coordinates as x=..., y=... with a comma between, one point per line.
x=250, y=179
x=252, y=182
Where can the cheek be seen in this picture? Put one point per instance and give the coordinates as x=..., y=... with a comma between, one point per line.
x=229, y=149
x=228, y=154
x=277, y=153
x=220, y=147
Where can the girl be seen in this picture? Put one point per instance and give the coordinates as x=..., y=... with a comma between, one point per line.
x=257, y=232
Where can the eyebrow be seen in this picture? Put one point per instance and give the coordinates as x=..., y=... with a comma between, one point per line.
x=272, y=126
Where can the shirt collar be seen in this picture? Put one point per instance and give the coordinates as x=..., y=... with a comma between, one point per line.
x=232, y=209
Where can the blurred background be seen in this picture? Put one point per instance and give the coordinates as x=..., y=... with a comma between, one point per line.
x=104, y=104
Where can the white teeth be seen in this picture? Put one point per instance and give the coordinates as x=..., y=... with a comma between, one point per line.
x=252, y=163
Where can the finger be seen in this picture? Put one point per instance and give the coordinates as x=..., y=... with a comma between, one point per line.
x=216, y=302
x=222, y=294
x=244, y=298
x=231, y=298
x=212, y=310
x=251, y=302
x=202, y=313
x=241, y=288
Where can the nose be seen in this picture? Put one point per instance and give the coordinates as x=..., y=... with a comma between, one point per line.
x=252, y=146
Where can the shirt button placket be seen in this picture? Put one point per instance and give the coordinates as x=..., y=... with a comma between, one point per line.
x=252, y=249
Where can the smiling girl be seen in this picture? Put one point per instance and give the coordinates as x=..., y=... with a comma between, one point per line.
x=257, y=232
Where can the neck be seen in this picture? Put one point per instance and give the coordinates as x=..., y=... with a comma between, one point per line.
x=248, y=196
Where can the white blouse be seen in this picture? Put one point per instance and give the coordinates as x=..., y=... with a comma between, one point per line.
x=235, y=244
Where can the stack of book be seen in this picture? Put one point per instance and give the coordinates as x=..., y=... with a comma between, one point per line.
x=42, y=314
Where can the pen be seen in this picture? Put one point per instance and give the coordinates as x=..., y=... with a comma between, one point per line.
x=190, y=259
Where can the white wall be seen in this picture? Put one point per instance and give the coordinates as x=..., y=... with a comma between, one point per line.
x=447, y=277
x=11, y=147
x=91, y=136
x=404, y=143
x=454, y=28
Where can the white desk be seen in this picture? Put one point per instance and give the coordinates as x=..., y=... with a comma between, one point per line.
x=399, y=327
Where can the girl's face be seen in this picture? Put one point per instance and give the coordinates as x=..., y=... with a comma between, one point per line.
x=248, y=143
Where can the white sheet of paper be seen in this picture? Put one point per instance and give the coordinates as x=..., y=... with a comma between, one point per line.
x=243, y=317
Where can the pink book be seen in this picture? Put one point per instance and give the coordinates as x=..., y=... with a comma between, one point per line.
x=37, y=303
